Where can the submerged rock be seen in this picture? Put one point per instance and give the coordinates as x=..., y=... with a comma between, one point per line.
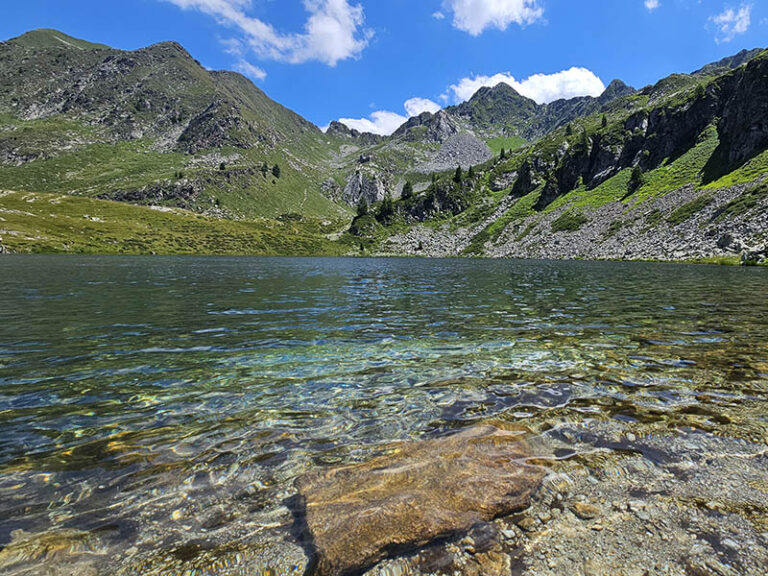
x=360, y=514
x=55, y=552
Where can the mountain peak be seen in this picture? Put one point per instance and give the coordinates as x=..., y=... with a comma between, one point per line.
x=729, y=63
x=49, y=38
x=501, y=90
x=616, y=89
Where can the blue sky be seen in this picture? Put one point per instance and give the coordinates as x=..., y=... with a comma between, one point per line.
x=363, y=60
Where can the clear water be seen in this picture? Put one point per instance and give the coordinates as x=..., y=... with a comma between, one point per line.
x=141, y=397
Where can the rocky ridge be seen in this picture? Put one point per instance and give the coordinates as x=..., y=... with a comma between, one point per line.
x=152, y=126
x=675, y=171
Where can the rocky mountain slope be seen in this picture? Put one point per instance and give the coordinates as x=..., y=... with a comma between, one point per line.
x=152, y=126
x=674, y=170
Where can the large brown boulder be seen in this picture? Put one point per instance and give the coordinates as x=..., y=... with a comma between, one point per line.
x=421, y=491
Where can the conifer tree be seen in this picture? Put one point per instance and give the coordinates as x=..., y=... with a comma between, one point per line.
x=636, y=180
x=362, y=207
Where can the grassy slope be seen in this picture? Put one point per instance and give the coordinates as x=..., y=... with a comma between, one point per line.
x=47, y=38
x=79, y=156
x=671, y=175
x=39, y=222
x=94, y=169
x=508, y=143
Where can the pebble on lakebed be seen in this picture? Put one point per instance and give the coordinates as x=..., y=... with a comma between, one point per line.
x=418, y=493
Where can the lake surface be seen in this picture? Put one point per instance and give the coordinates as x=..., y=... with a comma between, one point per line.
x=149, y=402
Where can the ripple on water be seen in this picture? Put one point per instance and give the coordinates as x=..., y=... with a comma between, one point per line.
x=139, y=398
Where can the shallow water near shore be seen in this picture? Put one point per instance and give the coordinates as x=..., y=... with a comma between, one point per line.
x=155, y=412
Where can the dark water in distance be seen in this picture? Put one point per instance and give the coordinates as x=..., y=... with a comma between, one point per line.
x=131, y=385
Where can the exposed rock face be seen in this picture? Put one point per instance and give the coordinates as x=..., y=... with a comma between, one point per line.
x=463, y=149
x=422, y=491
x=497, y=110
x=340, y=130
x=616, y=89
x=744, y=119
x=729, y=63
x=182, y=194
x=364, y=184
x=216, y=127
x=426, y=127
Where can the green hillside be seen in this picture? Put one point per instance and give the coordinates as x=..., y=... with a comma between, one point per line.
x=85, y=119
x=52, y=223
x=674, y=170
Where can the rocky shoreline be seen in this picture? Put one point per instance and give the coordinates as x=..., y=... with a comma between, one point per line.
x=653, y=229
x=699, y=509
x=599, y=499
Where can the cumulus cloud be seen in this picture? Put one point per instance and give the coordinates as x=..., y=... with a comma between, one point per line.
x=384, y=122
x=730, y=23
x=652, y=5
x=245, y=67
x=543, y=88
x=333, y=31
x=416, y=106
x=380, y=122
x=475, y=16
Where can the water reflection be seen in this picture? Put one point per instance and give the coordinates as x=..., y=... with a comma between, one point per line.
x=144, y=400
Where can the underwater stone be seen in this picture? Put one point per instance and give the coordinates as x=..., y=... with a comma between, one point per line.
x=360, y=514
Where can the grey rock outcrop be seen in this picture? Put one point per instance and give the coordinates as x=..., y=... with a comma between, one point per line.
x=463, y=149
x=364, y=184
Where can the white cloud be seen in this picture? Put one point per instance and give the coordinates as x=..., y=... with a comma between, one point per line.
x=438, y=15
x=245, y=67
x=652, y=5
x=543, y=88
x=475, y=16
x=383, y=122
x=730, y=23
x=416, y=106
x=332, y=33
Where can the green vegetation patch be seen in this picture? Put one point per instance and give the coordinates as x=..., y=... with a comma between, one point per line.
x=749, y=172
x=508, y=143
x=687, y=210
x=612, y=190
x=94, y=169
x=744, y=203
x=569, y=222
x=686, y=169
x=49, y=223
x=521, y=209
x=615, y=227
